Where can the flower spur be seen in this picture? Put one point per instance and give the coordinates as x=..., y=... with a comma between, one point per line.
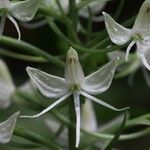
x=74, y=83
x=139, y=34
x=24, y=11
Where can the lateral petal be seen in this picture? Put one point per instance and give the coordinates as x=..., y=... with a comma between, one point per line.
x=7, y=128
x=49, y=85
x=24, y=10
x=142, y=21
x=100, y=80
x=117, y=33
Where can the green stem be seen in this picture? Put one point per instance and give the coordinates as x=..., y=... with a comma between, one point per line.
x=35, y=138
x=7, y=53
x=30, y=49
x=71, y=129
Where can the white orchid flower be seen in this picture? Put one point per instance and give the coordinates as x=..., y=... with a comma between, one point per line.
x=7, y=128
x=24, y=11
x=139, y=34
x=6, y=85
x=74, y=83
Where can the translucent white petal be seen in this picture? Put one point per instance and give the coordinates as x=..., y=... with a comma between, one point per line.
x=118, y=53
x=73, y=70
x=77, y=110
x=6, y=85
x=24, y=10
x=101, y=102
x=117, y=33
x=100, y=80
x=16, y=26
x=49, y=107
x=89, y=122
x=49, y=85
x=7, y=128
x=2, y=23
x=142, y=22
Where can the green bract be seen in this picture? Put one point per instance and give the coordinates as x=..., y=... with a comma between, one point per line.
x=74, y=83
x=24, y=11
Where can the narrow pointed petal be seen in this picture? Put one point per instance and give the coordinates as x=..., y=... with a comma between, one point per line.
x=2, y=23
x=77, y=110
x=7, y=128
x=100, y=80
x=16, y=26
x=49, y=107
x=89, y=122
x=24, y=10
x=142, y=21
x=73, y=71
x=49, y=85
x=6, y=85
x=101, y=102
x=128, y=50
x=117, y=33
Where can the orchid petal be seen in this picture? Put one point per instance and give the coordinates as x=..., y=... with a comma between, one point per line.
x=143, y=19
x=49, y=85
x=6, y=85
x=73, y=71
x=16, y=26
x=7, y=128
x=100, y=80
x=77, y=110
x=101, y=102
x=88, y=116
x=2, y=23
x=118, y=53
x=117, y=33
x=49, y=107
x=24, y=11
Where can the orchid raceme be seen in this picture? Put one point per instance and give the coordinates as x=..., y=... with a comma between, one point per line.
x=7, y=128
x=74, y=83
x=24, y=11
x=6, y=85
x=139, y=34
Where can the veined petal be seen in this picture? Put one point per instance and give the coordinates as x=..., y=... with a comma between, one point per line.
x=77, y=110
x=73, y=70
x=6, y=85
x=49, y=107
x=100, y=80
x=24, y=10
x=117, y=33
x=7, y=128
x=89, y=122
x=142, y=22
x=101, y=102
x=49, y=85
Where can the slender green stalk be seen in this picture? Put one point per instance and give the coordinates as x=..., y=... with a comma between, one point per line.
x=30, y=49
x=7, y=53
x=35, y=138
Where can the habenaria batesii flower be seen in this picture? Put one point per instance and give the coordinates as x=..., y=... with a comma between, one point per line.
x=74, y=83
x=139, y=34
x=24, y=11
